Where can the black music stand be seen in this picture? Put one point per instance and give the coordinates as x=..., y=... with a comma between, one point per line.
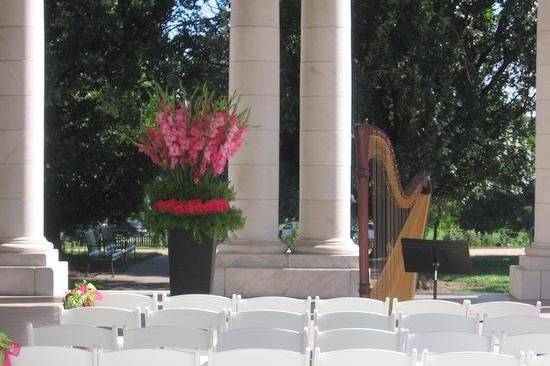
x=437, y=256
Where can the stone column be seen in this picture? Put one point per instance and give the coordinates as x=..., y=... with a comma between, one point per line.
x=254, y=76
x=325, y=128
x=531, y=279
x=28, y=263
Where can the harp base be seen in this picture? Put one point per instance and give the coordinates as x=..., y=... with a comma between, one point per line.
x=291, y=274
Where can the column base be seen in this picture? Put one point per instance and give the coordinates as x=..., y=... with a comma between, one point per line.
x=327, y=247
x=293, y=275
x=249, y=247
x=531, y=279
x=31, y=267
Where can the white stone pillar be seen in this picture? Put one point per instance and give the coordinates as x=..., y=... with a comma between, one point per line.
x=531, y=279
x=28, y=263
x=325, y=128
x=254, y=76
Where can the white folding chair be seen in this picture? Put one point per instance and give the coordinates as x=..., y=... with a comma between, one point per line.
x=102, y=317
x=128, y=301
x=189, y=318
x=514, y=325
x=72, y=336
x=168, y=337
x=534, y=360
x=494, y=309
x=356, y=338
x=437, y=322
x=362, y=357
x=268, y=319
x=199, y=301
x=442, y=342
x=353, y=319
x=430, y=306
x=279, y=303
x=147, y=357
x=339, y=304
x=53, y=356
x=513, y=345
x=469, y=359
x=266, y=338
x=255, y=357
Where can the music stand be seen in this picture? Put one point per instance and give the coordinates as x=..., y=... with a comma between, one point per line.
x=437, y=256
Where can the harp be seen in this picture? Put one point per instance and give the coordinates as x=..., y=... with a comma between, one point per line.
x=394, y=211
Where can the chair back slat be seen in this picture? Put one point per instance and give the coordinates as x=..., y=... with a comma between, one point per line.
x=357, y=338
x=190, y=318
x=494, y=309
x=128, y=301
x=148, y=357
x=443, y=342
x=197, y=301
x=362, y=357
x=469, y=359
x=353, y=319
x=263, y=357
x=268, y=319
x=72, y=336
x=364, y=304
x=266, y=338
x=53, y=356
x=437, y=322
x=102, y=317
x=278, y=303
x=513, y=325
x=168, y=337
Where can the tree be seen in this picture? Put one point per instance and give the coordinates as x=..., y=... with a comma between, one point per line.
x=100, y=60
x=452, y=84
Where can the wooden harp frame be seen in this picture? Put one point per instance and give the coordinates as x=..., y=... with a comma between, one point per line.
x=373, y=143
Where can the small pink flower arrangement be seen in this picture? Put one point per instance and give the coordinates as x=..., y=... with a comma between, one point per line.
x=191, y=140
x=8, y=349
x=83, y=294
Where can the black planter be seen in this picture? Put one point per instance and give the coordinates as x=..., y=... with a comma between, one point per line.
x=190, y=264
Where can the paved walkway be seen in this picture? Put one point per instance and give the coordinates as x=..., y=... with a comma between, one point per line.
x=150, y=274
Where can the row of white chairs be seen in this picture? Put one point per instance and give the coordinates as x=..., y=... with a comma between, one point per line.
x=54, y=356
x=275, y=338
x=220, y=321
x=236, y=303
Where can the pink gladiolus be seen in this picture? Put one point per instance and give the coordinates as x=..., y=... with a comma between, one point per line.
x=201, y=143
x=98, y=295
x=83, y=289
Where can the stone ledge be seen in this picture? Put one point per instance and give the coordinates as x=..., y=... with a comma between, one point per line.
x=526, y=284
x=34, y=281
x=293, y=275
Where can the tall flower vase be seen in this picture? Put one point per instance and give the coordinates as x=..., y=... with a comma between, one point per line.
x=190, y=263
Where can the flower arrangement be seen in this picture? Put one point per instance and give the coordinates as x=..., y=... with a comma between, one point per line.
x=83, y=294
x=191, y=140
x=8, y=348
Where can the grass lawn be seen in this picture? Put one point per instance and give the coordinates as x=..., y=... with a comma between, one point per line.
x=489, y=274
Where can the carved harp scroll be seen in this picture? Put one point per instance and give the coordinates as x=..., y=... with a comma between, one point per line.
x=393, y=212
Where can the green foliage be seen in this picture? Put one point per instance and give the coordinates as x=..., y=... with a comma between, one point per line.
x=490, y=274
x=452, y=83
x=289, y=231
x=178, y=184
x=497, y=238
x=100, y=58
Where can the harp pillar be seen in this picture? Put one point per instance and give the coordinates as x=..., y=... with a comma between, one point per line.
x=531, y=279
x=29, y=265
x=325, y=128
